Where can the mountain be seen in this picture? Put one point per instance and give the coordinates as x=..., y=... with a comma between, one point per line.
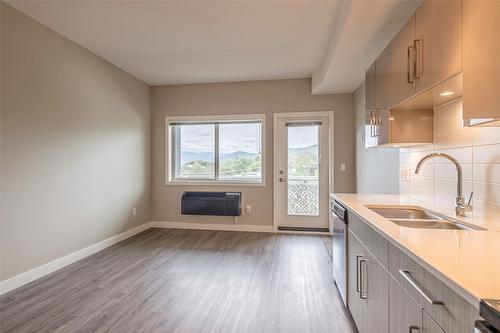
x=309, y=150
x=240, y=154
x=189, y=156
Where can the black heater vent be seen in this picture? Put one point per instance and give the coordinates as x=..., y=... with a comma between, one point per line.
x=211, y=203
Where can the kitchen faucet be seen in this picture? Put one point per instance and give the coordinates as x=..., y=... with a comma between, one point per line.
x=460, y=206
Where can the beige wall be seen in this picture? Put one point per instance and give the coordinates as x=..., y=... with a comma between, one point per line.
x=238, y=98
x=376, y=168
x=478, y=151
x=75, y=150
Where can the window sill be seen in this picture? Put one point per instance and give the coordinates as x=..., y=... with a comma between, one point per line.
x=214, y=183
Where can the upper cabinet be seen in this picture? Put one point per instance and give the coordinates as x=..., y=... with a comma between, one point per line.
x=438, y=42
x=442, y=44
x=481, y=54
x=394, y=79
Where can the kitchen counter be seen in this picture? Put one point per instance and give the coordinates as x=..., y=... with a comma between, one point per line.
x=467, y=261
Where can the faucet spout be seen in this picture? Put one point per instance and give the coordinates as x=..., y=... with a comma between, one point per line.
x=460, y=206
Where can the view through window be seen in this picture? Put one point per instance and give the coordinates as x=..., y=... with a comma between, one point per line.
x=219, y=150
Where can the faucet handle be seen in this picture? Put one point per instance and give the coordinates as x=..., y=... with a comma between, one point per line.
x=470, y=198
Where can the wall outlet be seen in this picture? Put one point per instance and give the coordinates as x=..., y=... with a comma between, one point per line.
x=134, y=211
x=342, y=166
x=405, y=175
x=248, y=209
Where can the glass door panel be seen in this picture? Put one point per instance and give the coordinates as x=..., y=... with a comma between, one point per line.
x=303, y=169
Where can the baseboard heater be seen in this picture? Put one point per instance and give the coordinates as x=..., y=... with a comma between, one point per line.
x=211, y=203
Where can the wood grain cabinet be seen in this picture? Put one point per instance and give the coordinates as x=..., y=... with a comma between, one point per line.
x=438, y=42
x=481, y=54
x=429, y=325
x=367, y=288
x=394, y=79
x=405, y=314
x=390, y=292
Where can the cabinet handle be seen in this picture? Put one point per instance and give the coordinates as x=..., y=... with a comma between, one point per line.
x=412, y=329
x=362, y=293
x=358, y=280
x=410, y=64
x=406, y=274
x=419, y=65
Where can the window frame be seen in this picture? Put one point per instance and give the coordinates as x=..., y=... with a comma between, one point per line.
x=170, y=150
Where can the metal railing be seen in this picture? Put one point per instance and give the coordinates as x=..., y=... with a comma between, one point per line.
x=303, y=195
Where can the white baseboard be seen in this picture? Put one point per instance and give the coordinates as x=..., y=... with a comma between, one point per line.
x=212, y=226
x=40, y=271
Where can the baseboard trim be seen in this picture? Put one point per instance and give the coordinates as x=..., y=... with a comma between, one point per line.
x=212, y=226
x=52, y=266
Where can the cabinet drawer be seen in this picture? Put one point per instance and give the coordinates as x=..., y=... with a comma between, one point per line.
x=375, y=243
x=454, y=314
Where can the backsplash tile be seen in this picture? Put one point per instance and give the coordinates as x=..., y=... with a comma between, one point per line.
x=478, y=151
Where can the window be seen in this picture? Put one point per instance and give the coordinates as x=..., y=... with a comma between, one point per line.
x=225, y=149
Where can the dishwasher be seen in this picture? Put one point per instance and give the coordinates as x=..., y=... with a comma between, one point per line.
x=338, y=215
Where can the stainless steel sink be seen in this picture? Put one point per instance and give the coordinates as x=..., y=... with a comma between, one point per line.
x=417, y=217
x=404, y=213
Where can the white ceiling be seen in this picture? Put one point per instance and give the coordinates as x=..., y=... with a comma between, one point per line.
x=180, y=42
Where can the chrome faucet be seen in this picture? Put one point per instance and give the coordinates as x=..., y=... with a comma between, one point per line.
x=460, y=206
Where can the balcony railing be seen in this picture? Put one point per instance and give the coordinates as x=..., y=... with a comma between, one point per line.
x=303, y=195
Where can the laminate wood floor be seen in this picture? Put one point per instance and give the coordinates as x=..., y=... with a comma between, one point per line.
x=169, y=280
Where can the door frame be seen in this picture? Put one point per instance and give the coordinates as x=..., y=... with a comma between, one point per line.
x=277, y=116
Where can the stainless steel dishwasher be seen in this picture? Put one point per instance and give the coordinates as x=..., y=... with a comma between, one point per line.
x=338, y=214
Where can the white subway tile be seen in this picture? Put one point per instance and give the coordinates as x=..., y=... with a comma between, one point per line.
x=450, y=171
x=487, y=154
x=486, y=173
x=486, y=209
x=487, y=191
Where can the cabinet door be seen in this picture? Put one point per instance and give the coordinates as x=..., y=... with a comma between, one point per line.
x=438, y=41
x=430, y=325
x=405, y=315
x=393, y=80
x=481, y=31
x=375, y=294
x=354, y=302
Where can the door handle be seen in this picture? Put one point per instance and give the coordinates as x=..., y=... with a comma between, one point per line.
x=283, y=180
x=412, y=329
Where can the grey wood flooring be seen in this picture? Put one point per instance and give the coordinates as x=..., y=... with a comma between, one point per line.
x=170, y=280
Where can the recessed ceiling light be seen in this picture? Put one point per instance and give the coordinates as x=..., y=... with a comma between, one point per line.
x=447, y=93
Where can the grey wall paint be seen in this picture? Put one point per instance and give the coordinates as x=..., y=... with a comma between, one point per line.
x=239, y=98
x=75, y=146
x=376, y=168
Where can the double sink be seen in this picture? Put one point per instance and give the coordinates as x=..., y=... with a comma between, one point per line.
x=417, y=217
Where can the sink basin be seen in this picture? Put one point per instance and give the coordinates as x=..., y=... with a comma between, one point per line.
x=430, y=224
x=416, y=217
x=404, y=213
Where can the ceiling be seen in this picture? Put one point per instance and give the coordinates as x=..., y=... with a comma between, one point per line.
x=183, y=42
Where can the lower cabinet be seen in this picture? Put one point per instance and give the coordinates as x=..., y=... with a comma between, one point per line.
x=389, y=292
x=367, y=289
x=430, y=325
x=405, y=314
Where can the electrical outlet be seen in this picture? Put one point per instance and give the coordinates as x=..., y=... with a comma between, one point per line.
x=248, y=209
x=134, y=211
x=342, y=166
x=405, y=175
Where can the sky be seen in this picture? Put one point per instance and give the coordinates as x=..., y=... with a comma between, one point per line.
x=302, y=136
x=232, y=137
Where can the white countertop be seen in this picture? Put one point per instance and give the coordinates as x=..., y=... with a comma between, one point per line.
x=466, y=260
